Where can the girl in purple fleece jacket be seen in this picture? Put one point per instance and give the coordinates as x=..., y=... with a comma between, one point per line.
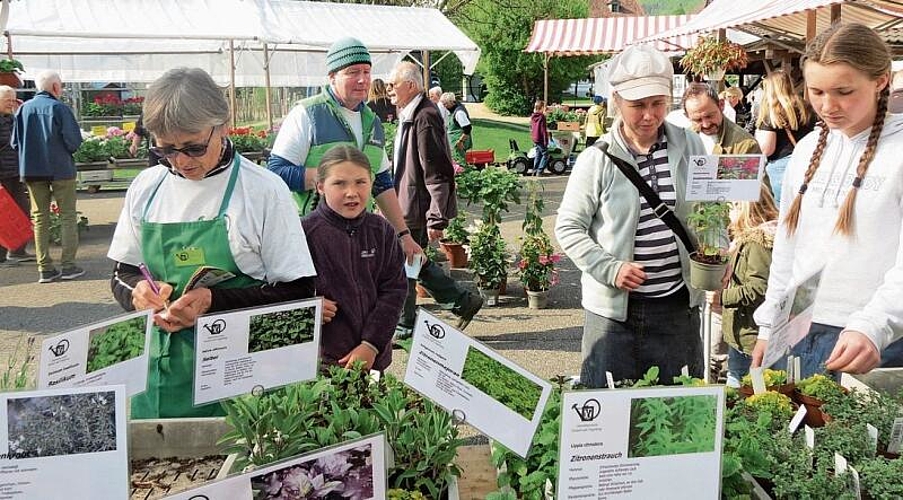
x=359, y=263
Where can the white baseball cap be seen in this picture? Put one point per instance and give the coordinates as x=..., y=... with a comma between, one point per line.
x=640, y=71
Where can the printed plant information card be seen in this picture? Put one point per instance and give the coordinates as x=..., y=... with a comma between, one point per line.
x=793, y=320
x=355, y=469
x=107, y=353
x=725, y=177
x=64, y=444
x=256, y=349
x=475, y=384
x=641, y=443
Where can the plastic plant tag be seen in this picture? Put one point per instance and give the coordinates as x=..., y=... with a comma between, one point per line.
x=855, y=486
x=840, y=464
x=810, y=437
x=758, y=381
x=797, y=419
x=873, y=438
x=796, y=368
x=896, y=436
x=610, y=379
x=685, y=371
x=791, y=373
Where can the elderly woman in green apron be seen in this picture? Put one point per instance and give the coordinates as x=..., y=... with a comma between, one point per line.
x=460, y=130
x=204, y=205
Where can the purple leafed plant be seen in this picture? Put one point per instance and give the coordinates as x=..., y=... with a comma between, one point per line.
x=344, y=475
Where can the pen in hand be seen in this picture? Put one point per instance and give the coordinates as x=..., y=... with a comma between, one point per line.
x=152, y=283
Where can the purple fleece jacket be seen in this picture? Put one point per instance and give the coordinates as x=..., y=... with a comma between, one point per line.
x=360, y=265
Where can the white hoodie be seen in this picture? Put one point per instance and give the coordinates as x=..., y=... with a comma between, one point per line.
x=861, y=285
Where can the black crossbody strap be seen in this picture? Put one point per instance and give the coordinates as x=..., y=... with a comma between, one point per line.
x=658, y=206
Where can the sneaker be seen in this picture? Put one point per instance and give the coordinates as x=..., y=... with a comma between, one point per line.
x=467, y=310
x=9, y=263
x=22, y=257
x=72, y=272
x=49, y=275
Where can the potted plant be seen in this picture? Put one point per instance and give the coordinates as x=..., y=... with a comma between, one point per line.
x=536, y=267
x=494, y=188
x=813, y=392
x=775, y=381
x=488, y=260
x=455, y=237
x=9, y=72
x=709, y=221
x=711, y=58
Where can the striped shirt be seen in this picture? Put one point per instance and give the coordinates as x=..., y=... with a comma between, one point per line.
x=655, y=246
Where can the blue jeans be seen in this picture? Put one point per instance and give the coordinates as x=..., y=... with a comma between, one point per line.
x=775, y=170
x=892, y=357
x=657, y=332
x=737, y=366
x=541, y=159
x=815, y=348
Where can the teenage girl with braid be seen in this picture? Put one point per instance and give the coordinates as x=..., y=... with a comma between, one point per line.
x=842, y=209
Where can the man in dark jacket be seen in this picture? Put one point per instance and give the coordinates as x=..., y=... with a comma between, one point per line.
x=46, y=135
x=9, y=172
x=425, y=182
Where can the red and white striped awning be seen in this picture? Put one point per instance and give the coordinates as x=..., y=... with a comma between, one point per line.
x=603, y=35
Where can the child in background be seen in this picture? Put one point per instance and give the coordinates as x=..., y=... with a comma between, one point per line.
x=752, y=229
x=539, y=132
x=359, y=263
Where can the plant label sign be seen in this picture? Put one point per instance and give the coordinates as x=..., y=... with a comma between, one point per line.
x=106, y=353
x=794, y=317
x=641, y=443
x=256, y=349
x=476, y=384
x=67, y=443
x=725, y=177
x=354, y=469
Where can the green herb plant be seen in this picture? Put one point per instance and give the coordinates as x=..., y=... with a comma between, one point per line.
x=280, y=329
x=709, y=221
x=15, y=375
x=117, y=343
x=494, y=188
x=778, y=405
x=488, y=257
x=820, y=387
x=772, y=378
x=501, y=383
x=880, y=478
x=456, y=231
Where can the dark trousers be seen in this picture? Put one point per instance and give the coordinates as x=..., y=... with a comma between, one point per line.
x=815, y=348
x=657, y=332
x=19, y=192
x=444, y=290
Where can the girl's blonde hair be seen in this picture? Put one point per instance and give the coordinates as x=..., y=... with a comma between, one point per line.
x=378, y=90
x=539, y=105
x=781, y=106
x=341, y=154
x=754, y=213
x=862, y=49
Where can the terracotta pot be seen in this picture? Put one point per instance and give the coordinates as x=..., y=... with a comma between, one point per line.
x=815, y=417
x=786, y=389
x=10, y=79
x=454, y=252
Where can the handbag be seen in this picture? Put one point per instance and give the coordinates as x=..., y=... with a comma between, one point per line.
x=659, y=208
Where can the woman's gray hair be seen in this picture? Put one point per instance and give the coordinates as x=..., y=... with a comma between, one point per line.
x=448, y=99
x=7, y=90
x=409, y=72
x=184, y=100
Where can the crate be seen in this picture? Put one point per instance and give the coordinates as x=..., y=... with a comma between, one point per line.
x=480, y=157
x=569, y=126
x=15, y=225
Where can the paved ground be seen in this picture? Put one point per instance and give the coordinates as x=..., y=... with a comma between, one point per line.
x=546, y=342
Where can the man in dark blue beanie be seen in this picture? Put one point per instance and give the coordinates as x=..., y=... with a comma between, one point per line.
x=338, y=115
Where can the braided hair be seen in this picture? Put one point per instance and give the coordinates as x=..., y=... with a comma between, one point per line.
x=862, y=49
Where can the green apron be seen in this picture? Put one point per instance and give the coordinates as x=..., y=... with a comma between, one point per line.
x=172, y=252
x=455, y=132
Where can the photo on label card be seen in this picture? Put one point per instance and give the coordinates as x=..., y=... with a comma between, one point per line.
x=281, y=328
x=68, y=424
x=342, y=475
x=672, y=425
x=501, y=383
x=116, y=343
x=738, y=167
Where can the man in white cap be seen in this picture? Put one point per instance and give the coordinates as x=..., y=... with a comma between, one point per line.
x=338, y=115
x=640, y=308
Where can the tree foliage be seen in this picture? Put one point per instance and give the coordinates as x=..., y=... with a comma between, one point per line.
x=502, y=29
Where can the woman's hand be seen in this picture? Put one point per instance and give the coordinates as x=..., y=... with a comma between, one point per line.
x=853, y=353
x=330, y=307
x=630, y=276
x=184, y=312
x=143, y=296
x=363, y=353
x=758, y=353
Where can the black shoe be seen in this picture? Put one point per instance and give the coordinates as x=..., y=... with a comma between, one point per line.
x=469, y=307
x=21, y=257
x=9, y=263
x=49, y=275
x=71, y=272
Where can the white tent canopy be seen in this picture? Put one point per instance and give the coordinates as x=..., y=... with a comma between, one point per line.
x=137, y=40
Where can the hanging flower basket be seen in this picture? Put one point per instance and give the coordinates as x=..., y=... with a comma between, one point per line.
x=9, y=72
x=710, y=56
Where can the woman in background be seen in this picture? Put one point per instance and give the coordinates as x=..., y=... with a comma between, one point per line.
x=379, y=102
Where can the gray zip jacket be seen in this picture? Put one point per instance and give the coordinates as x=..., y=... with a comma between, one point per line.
x=598, y=217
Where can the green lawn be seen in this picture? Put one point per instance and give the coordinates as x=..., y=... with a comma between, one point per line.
x=492, y=134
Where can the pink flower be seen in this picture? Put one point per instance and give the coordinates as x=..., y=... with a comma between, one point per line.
x=114, y=132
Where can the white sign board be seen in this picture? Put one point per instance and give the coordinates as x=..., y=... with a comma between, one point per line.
x=476, y=384
x=355, y=469
x=107, y=353
x=793, y=320
x=64, y=444
x=641, y=443
x=725, y=177
x=256, y=349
